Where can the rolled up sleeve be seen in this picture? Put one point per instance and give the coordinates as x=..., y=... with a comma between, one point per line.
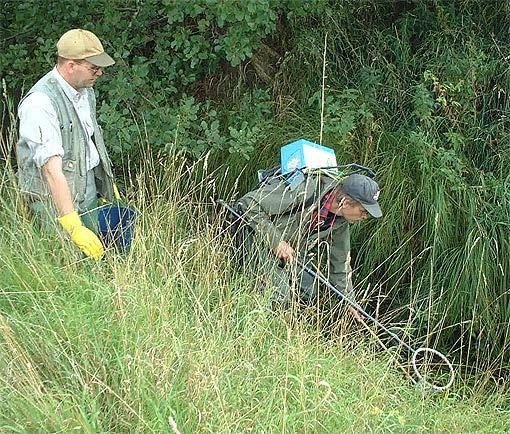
x=40, y=128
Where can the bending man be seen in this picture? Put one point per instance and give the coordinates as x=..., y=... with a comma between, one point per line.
x=315, y=213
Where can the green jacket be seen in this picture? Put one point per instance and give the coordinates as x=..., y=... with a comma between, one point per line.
x=74, y=142
x=283, y=213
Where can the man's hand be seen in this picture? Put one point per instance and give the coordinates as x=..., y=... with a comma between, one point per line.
x=284, y=251
x=84, y=238
x=355, y=314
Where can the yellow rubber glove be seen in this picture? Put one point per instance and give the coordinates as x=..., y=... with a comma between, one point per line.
x=116, y=193
x=84, y=238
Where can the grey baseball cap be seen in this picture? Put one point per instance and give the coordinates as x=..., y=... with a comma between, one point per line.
x=364, y=190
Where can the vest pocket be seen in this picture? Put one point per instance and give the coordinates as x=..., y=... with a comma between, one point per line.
x=69, y=165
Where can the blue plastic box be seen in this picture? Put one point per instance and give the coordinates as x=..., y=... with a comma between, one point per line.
x=303, y=154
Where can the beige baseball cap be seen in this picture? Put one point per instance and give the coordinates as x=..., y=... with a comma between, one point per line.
x=79, y=44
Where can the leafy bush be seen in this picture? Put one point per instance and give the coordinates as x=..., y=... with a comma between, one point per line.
x=168, y=56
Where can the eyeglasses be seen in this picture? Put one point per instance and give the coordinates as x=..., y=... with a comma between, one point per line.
x=93, y=69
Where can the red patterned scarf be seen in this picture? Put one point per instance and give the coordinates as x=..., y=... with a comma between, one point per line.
x=323, y=218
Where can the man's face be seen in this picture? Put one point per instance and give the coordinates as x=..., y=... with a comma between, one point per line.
x=350, y=210
x=84, y=74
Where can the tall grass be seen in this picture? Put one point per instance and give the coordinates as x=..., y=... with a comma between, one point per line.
x=417, y=92
x=173, y=337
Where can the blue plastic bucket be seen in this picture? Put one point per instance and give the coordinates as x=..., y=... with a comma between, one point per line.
x=117, y=226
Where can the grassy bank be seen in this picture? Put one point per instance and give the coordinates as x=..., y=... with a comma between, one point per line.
x=415, y=90
x=172, y=338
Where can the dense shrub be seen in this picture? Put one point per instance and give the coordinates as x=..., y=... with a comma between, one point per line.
x=172, y=58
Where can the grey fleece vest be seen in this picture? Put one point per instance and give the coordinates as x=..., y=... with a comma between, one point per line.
x=74, y=141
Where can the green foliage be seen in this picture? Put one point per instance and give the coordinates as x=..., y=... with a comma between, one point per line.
x=169, y=56
x=424, y=104
x=416, y=90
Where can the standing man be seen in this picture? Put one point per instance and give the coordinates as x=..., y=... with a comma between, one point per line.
x=62, y=160
x=314, y=215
